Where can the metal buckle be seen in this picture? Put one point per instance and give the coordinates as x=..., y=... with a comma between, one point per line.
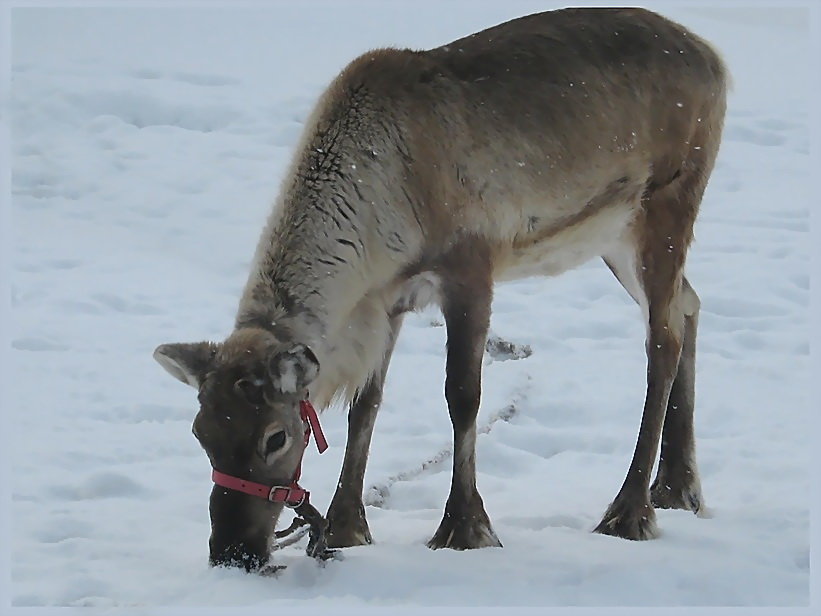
x=273, y=490
x=288, y=490
x=301, y=500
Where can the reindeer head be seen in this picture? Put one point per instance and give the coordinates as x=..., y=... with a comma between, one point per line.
x=249, y=424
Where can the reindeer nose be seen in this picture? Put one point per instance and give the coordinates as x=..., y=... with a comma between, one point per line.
x=237, y=555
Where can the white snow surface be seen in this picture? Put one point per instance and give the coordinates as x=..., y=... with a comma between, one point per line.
x=147, y=147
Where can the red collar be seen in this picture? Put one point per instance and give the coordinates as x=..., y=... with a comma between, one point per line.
x=292, y=495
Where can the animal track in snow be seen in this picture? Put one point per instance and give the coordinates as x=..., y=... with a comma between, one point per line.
x=120, y=304
x=144, y=413
x=778, y=124
x=38, y=344
x=768, y=132
x=378, y=494
x=63, y=528
x=78, y=306
x=538, y=523
x=751, y=135
x=735, y=308
x=750, y=340
x=287, y=135
x=49, y=264
x=145, y=73
x=200, y=79
x=100, y=485
x=801, y=280
x=143, y=110
x=197, y=79
x=780, y=221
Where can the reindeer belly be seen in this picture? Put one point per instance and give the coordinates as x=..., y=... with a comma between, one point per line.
x=553, y=248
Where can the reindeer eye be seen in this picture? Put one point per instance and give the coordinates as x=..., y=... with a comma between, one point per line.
x=275, y=442
x=251, y=389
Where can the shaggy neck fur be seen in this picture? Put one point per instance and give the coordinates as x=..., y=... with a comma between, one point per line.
x=333, y=244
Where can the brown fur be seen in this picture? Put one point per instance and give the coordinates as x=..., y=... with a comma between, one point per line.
x=427, y=176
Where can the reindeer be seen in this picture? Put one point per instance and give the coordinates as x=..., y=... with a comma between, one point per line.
x=425, y=177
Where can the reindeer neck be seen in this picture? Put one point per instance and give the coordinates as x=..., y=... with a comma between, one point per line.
x=307, y=277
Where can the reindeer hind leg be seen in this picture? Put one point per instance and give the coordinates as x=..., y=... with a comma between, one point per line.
x=653, y=274
x=677, y=484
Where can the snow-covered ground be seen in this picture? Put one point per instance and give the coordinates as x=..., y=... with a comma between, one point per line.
x=147, y=146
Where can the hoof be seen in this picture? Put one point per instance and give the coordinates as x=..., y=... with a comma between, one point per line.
x=464, y=533
x=347, y=527
x=629, y=521
x=667, y=493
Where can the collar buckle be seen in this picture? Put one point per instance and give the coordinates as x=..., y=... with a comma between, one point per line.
x=291, y=496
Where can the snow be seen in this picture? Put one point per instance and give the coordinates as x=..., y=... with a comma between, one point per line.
x=147, y=146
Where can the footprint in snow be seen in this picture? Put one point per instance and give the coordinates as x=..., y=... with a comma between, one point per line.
x=778, y=124
x=769, y=132
x=750, y=340
x=121, y=304
x=64, y=528
x=735, y=308
x=142, y=413
x=145, y=73
x=52, y=264
x=379, y=494
x=802, y=559
x=802, y=281
x=197, y=79
x=801, y=213
x=538, y=523
x=99, y=486
x=77, y=306
x=775, y=224
x=201, y=79
x=287, y=135
x=143, y=110
x=732, y=185
x=756, y=136
x=38, y=344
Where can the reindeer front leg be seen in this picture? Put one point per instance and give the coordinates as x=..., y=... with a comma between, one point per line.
x=347, y=525
x=467, y=293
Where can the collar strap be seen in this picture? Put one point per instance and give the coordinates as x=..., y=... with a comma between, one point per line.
x=292, y=495
x=308, y=414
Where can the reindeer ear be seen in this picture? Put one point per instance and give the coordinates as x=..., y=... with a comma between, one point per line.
x=186, y=362
x=293, y=370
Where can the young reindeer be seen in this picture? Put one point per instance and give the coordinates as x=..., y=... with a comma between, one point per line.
x=427, y=176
